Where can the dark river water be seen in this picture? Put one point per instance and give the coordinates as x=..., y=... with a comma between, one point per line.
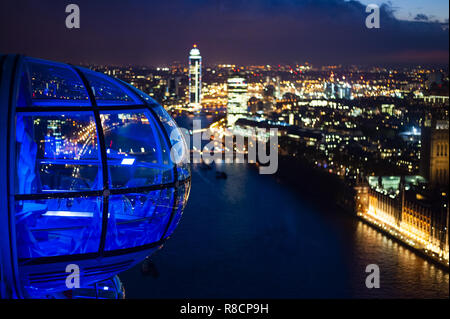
x=250, y=236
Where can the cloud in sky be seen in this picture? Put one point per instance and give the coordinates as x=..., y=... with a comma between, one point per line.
x=247, y=31
x=421, y=17
x=409, y=9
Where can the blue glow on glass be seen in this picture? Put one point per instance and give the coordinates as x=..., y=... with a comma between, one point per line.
x=53, y=84
x=108, y=91
x=61, y=200
x=128, y=161
x=55, y=227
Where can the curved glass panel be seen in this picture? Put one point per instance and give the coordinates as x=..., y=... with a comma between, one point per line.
x=59, y=226
x=52, y=84
x=106, y=289
x=144, y=96
x=182, y=197
x=56, y=152
x=138, y=219
x=108, y=91
x=136, y=150
x=179, y=152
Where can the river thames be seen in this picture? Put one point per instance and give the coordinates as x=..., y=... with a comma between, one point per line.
x=252, y=236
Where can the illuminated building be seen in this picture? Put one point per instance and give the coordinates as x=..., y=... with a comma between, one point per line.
x=237, y=99
x=86, y=176
x=195, y=78
x=434, y=153
x=338, y=90
x=396, y=205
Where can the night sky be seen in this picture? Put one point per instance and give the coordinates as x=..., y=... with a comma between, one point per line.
x=146, y=32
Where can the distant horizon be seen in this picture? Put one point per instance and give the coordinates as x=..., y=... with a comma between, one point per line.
x=341, y=65
x=215, y=64
x=211, y=64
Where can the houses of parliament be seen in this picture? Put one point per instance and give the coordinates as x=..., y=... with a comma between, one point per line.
x=415, y=209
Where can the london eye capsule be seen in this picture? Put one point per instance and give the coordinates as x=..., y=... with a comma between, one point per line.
x=92, y=176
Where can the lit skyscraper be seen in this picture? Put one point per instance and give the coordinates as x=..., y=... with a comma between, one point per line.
x=195, y=77
x=237, y=99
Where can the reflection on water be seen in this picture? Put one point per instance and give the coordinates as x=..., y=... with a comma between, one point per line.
x=248, y=236
x=403, y=272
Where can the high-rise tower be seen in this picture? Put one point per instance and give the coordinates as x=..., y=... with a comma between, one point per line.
x=435, y=152
x=195, y=78
x=237, y=99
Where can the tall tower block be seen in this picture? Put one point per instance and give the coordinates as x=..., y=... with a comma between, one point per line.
x=435, y=152
x=195, y=78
